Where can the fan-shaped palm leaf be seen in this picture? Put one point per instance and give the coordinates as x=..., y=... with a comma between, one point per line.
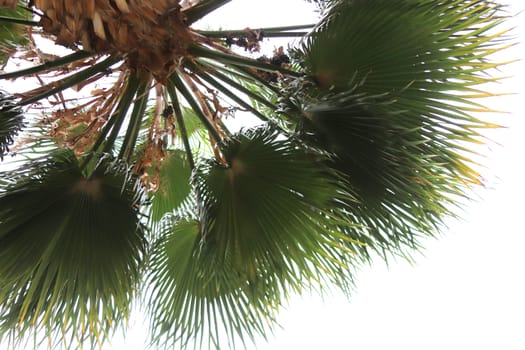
x=391, y=97
x=371, y=150
x=266, y=226
x=70, y=249
x=269, y=201
x=194, y=295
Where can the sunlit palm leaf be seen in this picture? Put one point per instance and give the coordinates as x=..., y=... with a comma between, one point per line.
x=70, y=249
x=393, y=82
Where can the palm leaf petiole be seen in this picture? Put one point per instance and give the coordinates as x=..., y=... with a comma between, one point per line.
x=75, y=56
x=120, y=112
x=68, y=82
x=223, y=89
x=201, y=51
x=266, y=33
x=137, y=114
x=202, y=9
x=257, y=78
x=244, y=90
x=19, y=21
x=178, y=83
x=180, y=121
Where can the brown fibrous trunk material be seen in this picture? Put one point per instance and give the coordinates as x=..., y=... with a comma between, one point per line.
x=8, y=4
x=150, y=35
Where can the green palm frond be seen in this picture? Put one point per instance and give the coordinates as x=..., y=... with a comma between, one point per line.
x=391, y=99
x=173, y=185
x=398, y=43
x=270, y=200
x=266, y=226
x=12, y=34
x=195, y=296
x=71, y=249
x=367, y=143
x=11, y=122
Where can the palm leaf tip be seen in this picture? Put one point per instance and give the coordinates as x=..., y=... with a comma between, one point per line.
x=70, y=250
x=11, y=122
x=395, y=43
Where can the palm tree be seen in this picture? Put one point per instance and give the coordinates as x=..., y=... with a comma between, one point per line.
x=137, y=190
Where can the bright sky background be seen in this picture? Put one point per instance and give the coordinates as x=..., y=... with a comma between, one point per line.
x=466, y=291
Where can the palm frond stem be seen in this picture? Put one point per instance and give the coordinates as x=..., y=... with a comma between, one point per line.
x=201, y=51
x=179, y=84
x=132, y=132
x=223, y=89
x=289, y=28
x=19, y=21
x=63, y=84
x=243, y=89
x=193, y=80
x=251, y=73
x=219, y=34
x=100, y=139
x=222, y=131
x=205, y=7
x=182, y=126
x=119, y=115
x=75, y=56
x=223, y=128
x=243, y=73
x=267, y=32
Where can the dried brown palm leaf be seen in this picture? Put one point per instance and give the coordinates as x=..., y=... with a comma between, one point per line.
x=8, y=3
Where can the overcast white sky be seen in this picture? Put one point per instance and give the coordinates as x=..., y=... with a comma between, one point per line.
x=468, y=289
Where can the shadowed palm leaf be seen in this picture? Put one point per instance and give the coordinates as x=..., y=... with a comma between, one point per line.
x=393, y=86
x=70, y=248
x=267, y=225
x=366, y=146
x=194, y=295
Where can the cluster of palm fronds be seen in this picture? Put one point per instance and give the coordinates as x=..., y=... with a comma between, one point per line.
x=144, y=193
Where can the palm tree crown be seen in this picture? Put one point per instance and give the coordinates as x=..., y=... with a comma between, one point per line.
x=137, y=190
